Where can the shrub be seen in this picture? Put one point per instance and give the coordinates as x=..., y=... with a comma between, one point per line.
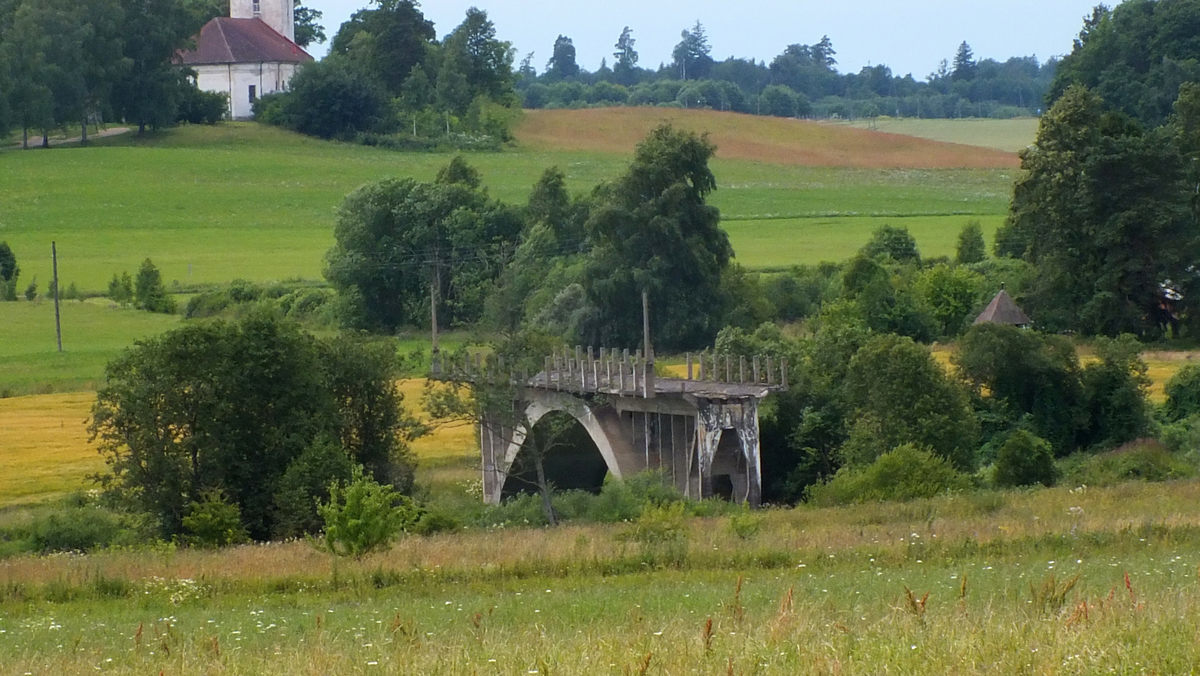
x=363, y=516
x=213, y=521
x=745, y=524
x=148, y=291
x=31, y=290
x=201, y=107
x=120, y=288
x=80, y=529
x=623, y=500
x=1140, y=460
x=305, y=483
x=1025, y=459
x=904, y=473
x=1183, y=394
x=660, y=534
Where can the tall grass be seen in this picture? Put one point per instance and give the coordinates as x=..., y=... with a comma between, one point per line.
x=1018, y=583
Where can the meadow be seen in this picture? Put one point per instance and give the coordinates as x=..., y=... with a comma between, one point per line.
x=212, y=204
x=1065, y=580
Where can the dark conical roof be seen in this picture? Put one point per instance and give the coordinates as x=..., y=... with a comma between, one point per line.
x=1003, y=310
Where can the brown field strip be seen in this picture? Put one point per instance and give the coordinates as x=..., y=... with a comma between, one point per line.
x=754, y=138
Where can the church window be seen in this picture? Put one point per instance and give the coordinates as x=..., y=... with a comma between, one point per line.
x=252, y=93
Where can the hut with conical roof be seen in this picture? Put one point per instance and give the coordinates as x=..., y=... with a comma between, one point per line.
x=1004, y=310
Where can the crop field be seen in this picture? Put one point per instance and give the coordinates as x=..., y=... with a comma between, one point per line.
x=1007, y=135
x=1066, y=580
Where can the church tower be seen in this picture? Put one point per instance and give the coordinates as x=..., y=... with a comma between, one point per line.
x=275, y=13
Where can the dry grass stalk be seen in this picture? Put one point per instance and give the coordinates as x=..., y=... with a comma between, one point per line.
x=914, y=605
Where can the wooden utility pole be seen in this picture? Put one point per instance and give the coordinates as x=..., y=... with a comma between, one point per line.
x=434, y=365
x=57, y=319
x=648, y=376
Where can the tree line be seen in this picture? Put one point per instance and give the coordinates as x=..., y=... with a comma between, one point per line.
x=801, y=81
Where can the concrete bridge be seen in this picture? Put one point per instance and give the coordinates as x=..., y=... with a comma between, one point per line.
x=699, y=430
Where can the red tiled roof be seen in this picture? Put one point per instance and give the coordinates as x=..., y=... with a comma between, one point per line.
x=226, y=40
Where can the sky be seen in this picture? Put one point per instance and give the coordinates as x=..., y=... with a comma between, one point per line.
x=909, y=37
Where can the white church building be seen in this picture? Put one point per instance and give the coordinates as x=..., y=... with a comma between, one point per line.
x=247, y=54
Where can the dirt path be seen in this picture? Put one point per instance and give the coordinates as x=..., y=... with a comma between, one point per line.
x=36, y=141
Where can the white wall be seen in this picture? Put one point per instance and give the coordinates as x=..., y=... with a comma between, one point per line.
x=235, y=81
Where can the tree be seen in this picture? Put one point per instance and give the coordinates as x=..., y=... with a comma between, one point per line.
x=483, y=63
x=147, y=93
x=779, y=101
x=1114, y=393
x=692, y=55
x=894, y=243
x=1135, y=56
x=23, y=49
x=308, y=31
x=562, y=62
x=1103, y=211
x=952, y=295
x=9, y=271
x=120, y=288
x=970, y=247
x=1033, y=380
x=398, y=237
x=651, y=230
x=386, y=43
x=1025, y=459
x=964, y=64
x=625, y=58
x=896, y=394
x=1183, y=394
x=363, y=516
x=332, y=99
x=230, y=407
x=148, y=291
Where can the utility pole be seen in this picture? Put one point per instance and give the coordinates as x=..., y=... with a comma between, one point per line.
x=57, y=319
x=648, y=376
x=435, y=359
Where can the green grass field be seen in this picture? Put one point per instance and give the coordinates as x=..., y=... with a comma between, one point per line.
x=94, y=332
x=244, y=201
x=1053, y=581
x=1011, y=135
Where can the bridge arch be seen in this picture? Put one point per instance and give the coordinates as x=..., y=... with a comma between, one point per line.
x=592, y=421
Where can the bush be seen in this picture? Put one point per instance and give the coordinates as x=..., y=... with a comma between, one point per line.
x=660, y=534
x=1140, y=460
x=81, y=528
x=363, y=516
x=148, y=291
x=305, y=483
x=201, y=107
x=1183, y=394
x=904, y=473
x=1025, y=459
x=213, y=521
